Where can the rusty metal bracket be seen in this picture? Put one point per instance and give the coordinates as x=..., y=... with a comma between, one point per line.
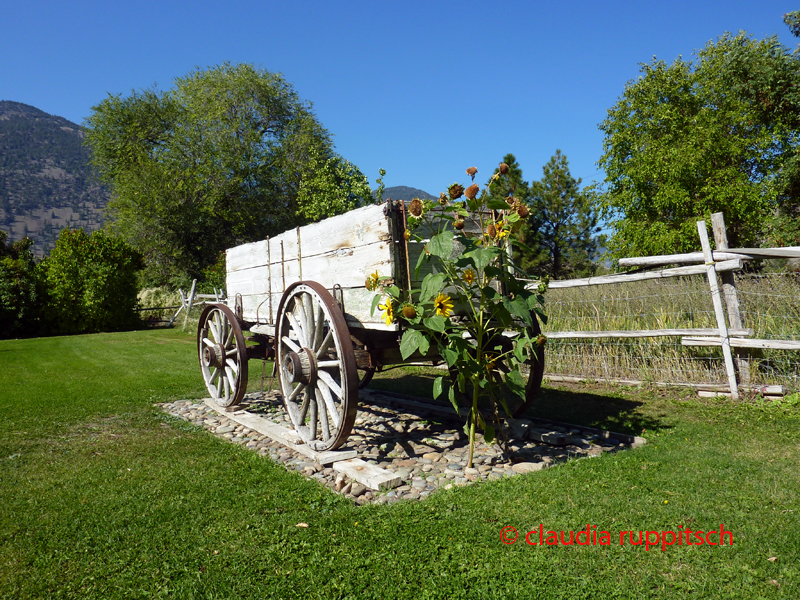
x=338, y=295
x=238, y=309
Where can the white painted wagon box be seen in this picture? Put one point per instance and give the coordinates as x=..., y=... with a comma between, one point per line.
x=340, y=251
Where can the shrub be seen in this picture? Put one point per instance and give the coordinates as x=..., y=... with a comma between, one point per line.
x=91, y=283
x=19, y=297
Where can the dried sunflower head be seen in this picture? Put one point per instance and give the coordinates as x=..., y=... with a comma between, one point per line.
x=472, y=191
x=443, y=199
x=415, y=208
x=455, y=191
x=503, y=168
x=491, y=231
x=409, y=312
x=471, y=172
x=523, y=211
x=459, y=224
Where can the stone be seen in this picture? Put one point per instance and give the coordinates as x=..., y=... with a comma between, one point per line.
x=358, y=489
x=224, y=429
x=528, y=467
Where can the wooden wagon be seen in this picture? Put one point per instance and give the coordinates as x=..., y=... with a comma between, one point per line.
x=301, y=295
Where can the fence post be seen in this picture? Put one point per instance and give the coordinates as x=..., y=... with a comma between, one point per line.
x=189, y=302
x=731, y=298
x=718, y=311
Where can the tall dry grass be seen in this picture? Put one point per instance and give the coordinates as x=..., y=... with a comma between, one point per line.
x=770, y=305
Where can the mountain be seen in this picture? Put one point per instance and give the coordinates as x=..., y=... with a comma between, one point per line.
x=46, y=182
x=402, y=192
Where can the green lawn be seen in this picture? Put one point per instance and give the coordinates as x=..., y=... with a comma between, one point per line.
x=103, y=496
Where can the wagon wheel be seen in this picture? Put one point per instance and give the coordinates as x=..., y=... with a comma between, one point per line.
x=316, y=366
x=364, y=377
x=532, y=374
x=223, y=354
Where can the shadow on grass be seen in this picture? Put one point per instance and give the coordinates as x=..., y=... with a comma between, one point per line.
x=604, y=408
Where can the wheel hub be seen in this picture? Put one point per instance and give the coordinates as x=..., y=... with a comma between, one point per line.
x=300, y=367
x=213, y=356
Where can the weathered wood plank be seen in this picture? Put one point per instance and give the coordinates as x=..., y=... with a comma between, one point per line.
x=347, y=267
x=375, y=478
x=357, y=304
x=640, y=333
x=742, y=343
x=728, y=265
x=282, y=435
x=360, y=227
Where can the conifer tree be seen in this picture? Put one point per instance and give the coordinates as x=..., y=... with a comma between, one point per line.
x=561, y=234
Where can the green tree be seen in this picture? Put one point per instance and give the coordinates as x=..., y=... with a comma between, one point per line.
x=91, y=283
x=562, y=232
x=689, y=139
x=19, y=296
x=218, y=160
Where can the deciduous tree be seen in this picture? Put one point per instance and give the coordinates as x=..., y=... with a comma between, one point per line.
x=692, y=138
x=224, y=157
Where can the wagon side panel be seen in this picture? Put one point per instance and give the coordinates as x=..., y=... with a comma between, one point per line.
x=341, y=251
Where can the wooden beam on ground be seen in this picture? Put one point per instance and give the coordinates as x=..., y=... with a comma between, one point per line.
x=282, y=435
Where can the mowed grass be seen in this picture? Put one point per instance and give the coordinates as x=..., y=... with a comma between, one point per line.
x=104, y=496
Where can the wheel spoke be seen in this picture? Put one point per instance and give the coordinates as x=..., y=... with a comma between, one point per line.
x=319, y=323
x=300, y=387
x=208, y=342
x=233, y=366
x=307, y=307
x=328, y=363
x=326, y=343
x=299, y=313
x=301, y=336
x=304, y=408
x=312, y=420
x=323, y=418
x=334, y=387
x=292, y=346
x=326, y=395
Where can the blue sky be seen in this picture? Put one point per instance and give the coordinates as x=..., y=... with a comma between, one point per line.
x=421, y=89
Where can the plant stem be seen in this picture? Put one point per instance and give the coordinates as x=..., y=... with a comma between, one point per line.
x=473, y=419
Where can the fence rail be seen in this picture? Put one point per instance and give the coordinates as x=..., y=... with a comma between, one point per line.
x=734, y=333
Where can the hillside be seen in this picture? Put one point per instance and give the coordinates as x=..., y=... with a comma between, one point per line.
x=45, y=180
x=402, y=192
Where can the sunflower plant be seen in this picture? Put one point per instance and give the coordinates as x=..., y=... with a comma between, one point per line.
x=472, y=308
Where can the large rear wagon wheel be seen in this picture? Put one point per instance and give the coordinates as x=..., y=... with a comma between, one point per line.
x=223, y=355
x=316, y=366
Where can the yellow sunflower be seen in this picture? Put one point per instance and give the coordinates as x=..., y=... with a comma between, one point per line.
x=388, y=311
x=372, y=281
x=469, y=276
x=443, y=305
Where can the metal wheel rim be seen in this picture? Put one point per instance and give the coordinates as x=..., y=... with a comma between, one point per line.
x=321, y=398
x=222, y=355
